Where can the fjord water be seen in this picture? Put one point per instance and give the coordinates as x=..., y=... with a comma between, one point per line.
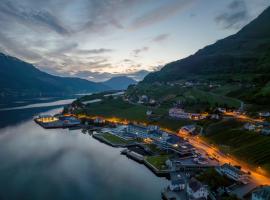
x=63, y=164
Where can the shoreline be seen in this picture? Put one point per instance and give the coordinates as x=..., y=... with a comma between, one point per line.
x=157, y=172
x=257, y=177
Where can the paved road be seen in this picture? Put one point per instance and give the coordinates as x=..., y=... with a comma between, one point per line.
x=256, y=177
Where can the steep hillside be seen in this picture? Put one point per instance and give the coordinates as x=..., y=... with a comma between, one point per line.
x=119, y=83
x=243, y=56
x=21, y=78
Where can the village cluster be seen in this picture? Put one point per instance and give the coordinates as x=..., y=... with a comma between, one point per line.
x=175, y=156
x=182, y=163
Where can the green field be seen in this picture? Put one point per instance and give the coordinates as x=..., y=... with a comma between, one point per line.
x=131, y=112
x=113, y=139
x=117, y=108
x=195, y=99
x=158, y=161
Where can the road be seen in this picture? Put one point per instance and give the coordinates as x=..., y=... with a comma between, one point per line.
x=256, y=176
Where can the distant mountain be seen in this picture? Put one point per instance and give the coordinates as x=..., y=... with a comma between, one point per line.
x=21, y=78
x=119, y=82
x=243, y=56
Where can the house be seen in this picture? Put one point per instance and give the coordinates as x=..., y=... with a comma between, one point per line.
x=265, y=131
x=98, y=120
x=153, y=128
x=215, y=116
x=189, y=129
x=222, y=110
x=177, y=182
x=149, y=112
x=152, y=102
x=181, y=114
x=234, y=173
x=196, y=190
x=178, y=113
x=264, y=114
x=261, y=193
x=174, y=140
x=138, y=130
x=196, y=116
x=144, y=98
x=249, y=126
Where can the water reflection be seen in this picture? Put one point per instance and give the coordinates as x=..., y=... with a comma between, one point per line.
x=62, y=164
x=40, y=105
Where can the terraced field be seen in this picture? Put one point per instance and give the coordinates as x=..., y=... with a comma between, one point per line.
x=248, y=146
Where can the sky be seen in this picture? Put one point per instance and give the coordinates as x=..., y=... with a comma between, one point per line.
x=100, y=39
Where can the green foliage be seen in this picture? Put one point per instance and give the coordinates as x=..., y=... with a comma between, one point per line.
x=240, y=58
x=246, y=145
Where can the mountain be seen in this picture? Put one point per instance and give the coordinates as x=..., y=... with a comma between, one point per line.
x=21, y=78
x=119, y=82
x=244, y=56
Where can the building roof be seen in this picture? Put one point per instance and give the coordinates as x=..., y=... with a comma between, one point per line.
x=176, y=179
x=138, y=127
x=194, y=184
x=263, y=192
x=232, y=168
x=173, y=139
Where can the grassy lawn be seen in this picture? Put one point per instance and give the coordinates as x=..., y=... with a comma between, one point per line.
x=117, y=108
x=158, y=161
x=114, y=139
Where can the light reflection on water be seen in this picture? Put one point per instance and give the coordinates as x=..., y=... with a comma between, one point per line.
x=62, y=164
x=40, y=105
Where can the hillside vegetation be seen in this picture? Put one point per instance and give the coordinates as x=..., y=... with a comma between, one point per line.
x=240, y=58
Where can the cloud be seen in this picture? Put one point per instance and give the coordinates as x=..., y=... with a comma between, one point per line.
x=163, y=12
x=161, y=37
x=43, y=18
x=235, y=17
x=136, y=52
x=94, y=51
x=99, y=77
x=11, y=47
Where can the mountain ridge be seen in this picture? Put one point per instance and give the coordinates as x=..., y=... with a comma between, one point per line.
x=119, y=82
x=238, y=53
x=21, y=78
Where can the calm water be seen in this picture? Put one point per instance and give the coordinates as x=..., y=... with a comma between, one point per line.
x=62, y=164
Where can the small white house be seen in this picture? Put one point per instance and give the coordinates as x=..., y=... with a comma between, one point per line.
x=249, y=126
x=149, y=112
x=196, y=190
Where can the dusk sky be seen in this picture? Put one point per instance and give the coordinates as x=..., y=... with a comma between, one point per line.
x=98, y=39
